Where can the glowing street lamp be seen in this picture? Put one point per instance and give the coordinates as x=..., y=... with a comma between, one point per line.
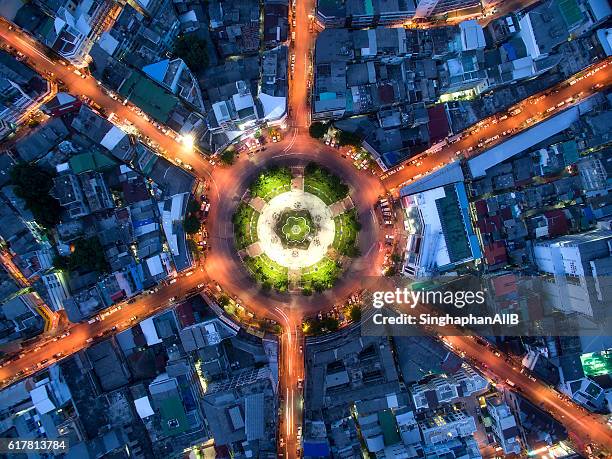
x=187, y=140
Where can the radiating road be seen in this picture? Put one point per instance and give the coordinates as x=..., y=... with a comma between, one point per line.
x=37, y=58
x=585, y=426
x=532, y=110
x=46, y=350
x=291, y=371
x=301, y=47
x=226, y=182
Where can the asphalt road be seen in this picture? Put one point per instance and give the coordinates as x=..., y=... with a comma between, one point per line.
x=226, y=187
x=584, y=427
x=533, y=108
x=46, y=350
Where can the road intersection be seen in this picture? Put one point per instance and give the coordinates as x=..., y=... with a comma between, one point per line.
x=222, y=266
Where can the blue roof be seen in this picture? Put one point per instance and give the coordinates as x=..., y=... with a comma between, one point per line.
x=158, y=70
x=316, y=449
x=510, y=50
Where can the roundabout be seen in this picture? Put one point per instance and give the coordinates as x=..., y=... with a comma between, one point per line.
x=293, y=240
x=244, y=190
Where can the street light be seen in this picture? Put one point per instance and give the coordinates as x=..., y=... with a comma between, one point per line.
x=187, y=140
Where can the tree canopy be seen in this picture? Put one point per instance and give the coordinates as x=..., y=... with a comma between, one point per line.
x=228, y=156
x=348, y=138
x=192, y=49
x=32, y=184
x=191, y=224
x=87, y=255
x=317, y=130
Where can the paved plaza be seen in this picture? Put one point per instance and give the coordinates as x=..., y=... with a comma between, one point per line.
x=322, y=235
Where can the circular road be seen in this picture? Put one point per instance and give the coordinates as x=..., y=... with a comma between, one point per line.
x=223, y=264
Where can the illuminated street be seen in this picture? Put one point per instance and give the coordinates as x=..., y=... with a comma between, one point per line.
x=527, y=113
x=222, y=264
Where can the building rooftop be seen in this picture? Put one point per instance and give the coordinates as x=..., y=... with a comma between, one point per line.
x=150, y=97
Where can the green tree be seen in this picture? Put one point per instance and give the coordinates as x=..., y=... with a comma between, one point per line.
x=352, y=251
x=223, y=301
x=348, y=138
x=228, y=157
x=193, y=248
x=192, y=206
x=191, y=225
x=331, y=323
x=192, y=49
x=88, y=255
x=317, y=130
x=355, y=313
x=61, y=262
x=32, y=184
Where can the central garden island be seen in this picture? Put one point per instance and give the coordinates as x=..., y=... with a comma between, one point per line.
x=296, y=228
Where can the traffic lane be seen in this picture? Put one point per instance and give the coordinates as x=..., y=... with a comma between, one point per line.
x=573, y=417
x=529, y=111
x=223, y=263
x=89, y=87
x=145, y=306
x=448, y=153
x=399, y=175
x=303, y=43
x=295, y=371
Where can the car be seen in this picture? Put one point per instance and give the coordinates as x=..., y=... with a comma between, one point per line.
x=131, y=300
x=89, y=340
x=172, y=299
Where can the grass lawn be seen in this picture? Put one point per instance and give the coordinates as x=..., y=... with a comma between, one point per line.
x=322, y=183
x=321, y=276
x=268, y=272
x=272, y=182
x=345, y=237
x=245, y=225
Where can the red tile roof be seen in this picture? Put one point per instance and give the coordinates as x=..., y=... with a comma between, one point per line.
x=504, y=284
x=495, y=253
